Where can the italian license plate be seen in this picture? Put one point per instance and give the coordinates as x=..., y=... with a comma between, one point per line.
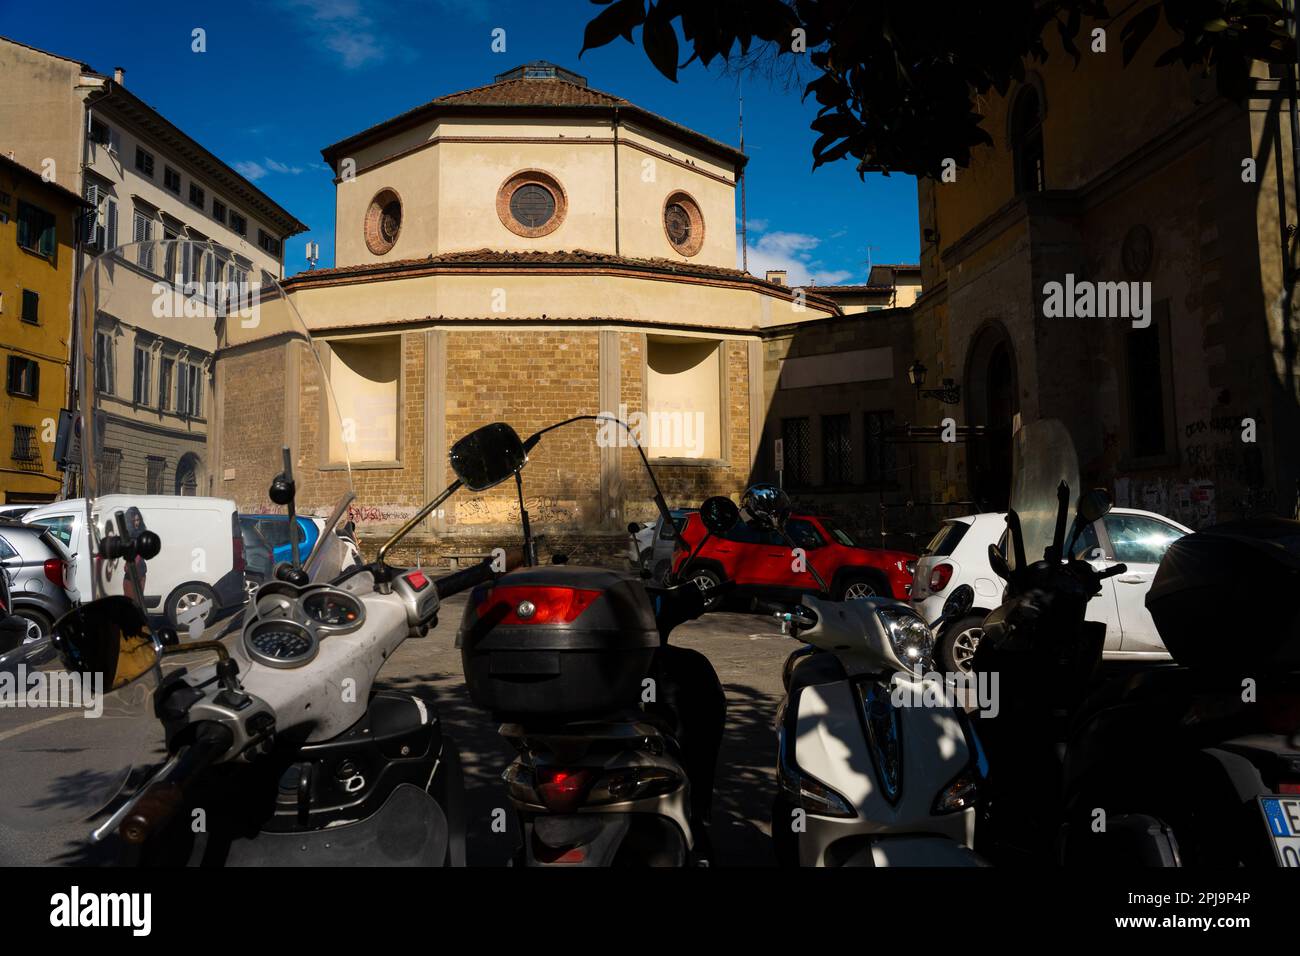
x=1282, y=815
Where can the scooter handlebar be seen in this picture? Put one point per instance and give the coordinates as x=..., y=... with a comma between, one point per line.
x=157, y=805
x=459, y=581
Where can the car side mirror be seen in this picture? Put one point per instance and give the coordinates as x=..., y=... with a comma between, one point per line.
x=109, y=636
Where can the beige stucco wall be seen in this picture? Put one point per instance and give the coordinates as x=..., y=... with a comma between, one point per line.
x=557, y=295
x=448, y=174
x=40, y=111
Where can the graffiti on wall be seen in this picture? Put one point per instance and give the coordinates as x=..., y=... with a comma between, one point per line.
x=1192, y=503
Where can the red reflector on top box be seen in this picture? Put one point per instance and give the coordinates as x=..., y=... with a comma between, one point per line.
x=536, y=605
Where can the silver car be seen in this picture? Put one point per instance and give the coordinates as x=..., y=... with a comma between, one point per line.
x=35, y=568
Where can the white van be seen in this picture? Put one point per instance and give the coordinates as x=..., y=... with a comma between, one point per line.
x=198, y=574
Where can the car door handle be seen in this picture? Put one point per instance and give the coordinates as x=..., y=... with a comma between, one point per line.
x=1131, y=579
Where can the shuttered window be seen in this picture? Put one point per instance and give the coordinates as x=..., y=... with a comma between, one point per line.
x=36, y=230
x=142, y=232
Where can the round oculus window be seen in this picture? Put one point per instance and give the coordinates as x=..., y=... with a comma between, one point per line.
x=683, y=224
x=383, y=222
x=531, y=203
x=678, y=223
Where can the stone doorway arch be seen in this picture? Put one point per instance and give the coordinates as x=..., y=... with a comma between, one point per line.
x=993, y=401
x=187, y=474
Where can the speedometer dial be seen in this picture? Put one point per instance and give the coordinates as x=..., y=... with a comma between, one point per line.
x=280, y=644
x=333, y=610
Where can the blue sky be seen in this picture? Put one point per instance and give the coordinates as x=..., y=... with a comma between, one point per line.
x=282, y=78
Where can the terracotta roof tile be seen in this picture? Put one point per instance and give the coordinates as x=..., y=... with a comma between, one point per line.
x=550, y=91
x=851, y=289
x=530, y=93
x=491, y=257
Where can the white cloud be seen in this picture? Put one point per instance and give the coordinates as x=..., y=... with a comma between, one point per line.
x=277, y=167
x=250, y=170
x=793, y=252
x=341, y=27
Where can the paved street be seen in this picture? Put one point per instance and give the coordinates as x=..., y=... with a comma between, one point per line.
x=747, y=652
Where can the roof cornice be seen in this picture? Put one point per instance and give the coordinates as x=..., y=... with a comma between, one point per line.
x=144, y=117
x=431, y=110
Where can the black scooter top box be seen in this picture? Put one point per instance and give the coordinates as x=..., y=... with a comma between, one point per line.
x=1224, y=597
x=557, y=642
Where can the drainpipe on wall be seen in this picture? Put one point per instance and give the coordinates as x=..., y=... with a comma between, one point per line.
x=69, y=488
x=616, y=235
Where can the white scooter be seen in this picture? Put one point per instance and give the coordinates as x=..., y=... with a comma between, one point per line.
x=877, y=765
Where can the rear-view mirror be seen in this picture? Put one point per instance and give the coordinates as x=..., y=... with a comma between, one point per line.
x=719, y=514
x=109, y=636
x=998, y=562
x=488, y=456
x=1093, y=505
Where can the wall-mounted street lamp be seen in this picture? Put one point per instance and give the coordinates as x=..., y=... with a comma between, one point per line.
x=949, y=392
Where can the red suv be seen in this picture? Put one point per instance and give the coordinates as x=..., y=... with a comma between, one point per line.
x=760, y=562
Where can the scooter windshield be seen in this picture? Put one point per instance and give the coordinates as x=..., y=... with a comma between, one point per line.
x=192, y=372
x=195, y=373
x=1042, y=457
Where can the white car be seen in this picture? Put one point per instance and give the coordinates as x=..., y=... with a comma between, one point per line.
x=198, y=574
x=958, y=554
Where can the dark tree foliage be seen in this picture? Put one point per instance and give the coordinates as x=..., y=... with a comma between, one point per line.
x=898, y=80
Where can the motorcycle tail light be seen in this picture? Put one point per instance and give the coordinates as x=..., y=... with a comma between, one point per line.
x=562, y=790
x=550, y=855
x=940, y=576
x=960, y=794
x=1289, y=786
x=536, y=605
x=55, y=570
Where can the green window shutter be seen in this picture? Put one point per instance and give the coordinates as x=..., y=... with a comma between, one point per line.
x=24, y=225
x=49, y=236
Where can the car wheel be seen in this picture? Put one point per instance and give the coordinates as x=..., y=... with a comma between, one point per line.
x=855, y=589
x=958, y=643
x=39, y=618
x=189, y=604
x=708, y=582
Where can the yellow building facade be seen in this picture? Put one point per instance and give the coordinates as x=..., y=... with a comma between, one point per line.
x=38, y=222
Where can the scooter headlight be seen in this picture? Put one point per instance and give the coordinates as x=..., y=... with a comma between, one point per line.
x=910, y=636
